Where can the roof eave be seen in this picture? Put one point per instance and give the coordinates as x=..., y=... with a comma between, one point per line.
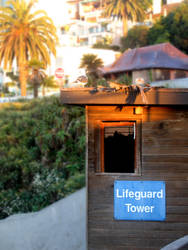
x=155, y=96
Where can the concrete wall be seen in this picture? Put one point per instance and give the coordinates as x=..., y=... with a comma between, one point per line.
x=61, y=226
x=176, y=83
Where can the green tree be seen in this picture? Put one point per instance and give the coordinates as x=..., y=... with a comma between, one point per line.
x=25, y=35
x=91, y=63
x=133, y=10
x=173, y=28
x=136, y=37
x=158, y=33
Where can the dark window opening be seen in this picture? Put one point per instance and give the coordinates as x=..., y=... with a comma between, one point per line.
x=119, y=148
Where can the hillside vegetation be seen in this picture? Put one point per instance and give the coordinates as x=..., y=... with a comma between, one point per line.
x=42, y=154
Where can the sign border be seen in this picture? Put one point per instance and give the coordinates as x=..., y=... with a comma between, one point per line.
x=142, y=218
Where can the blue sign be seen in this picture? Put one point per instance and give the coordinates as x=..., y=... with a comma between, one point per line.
x=139, y=200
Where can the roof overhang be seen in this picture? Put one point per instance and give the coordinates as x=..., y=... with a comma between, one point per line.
x=155, y=96
x=105, y=71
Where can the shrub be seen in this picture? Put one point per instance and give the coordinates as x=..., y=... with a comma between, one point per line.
x=106, y=43
x=124, y=79
x=42, y=154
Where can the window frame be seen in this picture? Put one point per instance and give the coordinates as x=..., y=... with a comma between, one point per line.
x=100, y=154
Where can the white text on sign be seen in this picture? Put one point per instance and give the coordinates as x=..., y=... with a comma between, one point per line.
x=137, y=195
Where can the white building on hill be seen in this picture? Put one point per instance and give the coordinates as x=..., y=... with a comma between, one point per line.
x=157, y=5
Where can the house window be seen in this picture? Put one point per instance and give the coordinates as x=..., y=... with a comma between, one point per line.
x=119, y=147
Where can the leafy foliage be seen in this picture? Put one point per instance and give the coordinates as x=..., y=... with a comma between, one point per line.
x=91, y=63
x=14, y=78
x=42, y=154
x=172, y=28
x=106, y=43
x=24, y=35
x=36, y=75
x=38, y=78
x=158, y=33
x=133, y=10
x=101, y=45
x=124, y=79
x=48, y=82
x=136, y=38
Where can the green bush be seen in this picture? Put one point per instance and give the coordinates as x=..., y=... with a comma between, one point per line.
x=42, y=154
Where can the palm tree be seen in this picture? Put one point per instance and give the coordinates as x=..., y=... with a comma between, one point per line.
x=133, y=10
x=36, y=76
x=25, y=35
x=91, y=63
x=48, y=82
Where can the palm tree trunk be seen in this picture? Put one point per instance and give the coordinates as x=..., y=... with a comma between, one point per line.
x=43, y=91
x=35, y=90
x=23, y=79
x=125, y=26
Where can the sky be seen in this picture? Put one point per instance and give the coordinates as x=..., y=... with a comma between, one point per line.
x=56, y=9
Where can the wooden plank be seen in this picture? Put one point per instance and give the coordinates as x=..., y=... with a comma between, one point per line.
x=103, y=240
x=168, y=158
x=168, y=175
x=181, y=210
x=165, y=150
x=138, y=225
x=166, y=142
x=178, y=201
x=173, y=165
x=143, y=235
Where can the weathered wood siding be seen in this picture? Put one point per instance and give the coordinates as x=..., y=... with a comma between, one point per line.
x=164, y=157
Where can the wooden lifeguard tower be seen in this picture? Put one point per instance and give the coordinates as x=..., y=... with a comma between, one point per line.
x=137, y=167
